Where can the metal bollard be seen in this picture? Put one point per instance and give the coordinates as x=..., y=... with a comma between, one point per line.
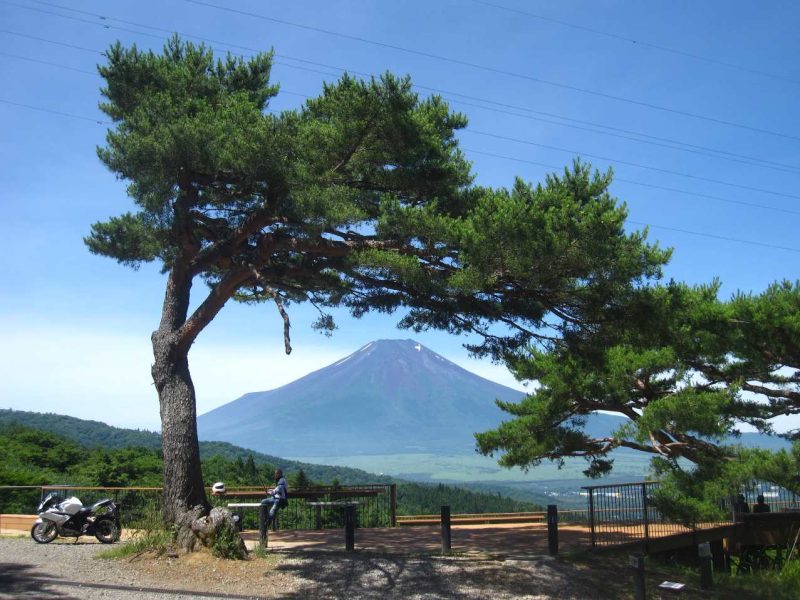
x=706, y=566
x=446, y=546
x=552, y=529
x=349, y=528
x=636, y=562
x=262, y=525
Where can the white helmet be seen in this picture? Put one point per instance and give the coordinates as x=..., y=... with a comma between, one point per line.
x=218, y=489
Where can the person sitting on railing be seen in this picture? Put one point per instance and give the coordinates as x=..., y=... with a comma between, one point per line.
x=760, y=506
x=277, y=497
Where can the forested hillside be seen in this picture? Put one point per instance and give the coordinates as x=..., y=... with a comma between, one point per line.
x=31, y=456
x=86, y=433
x=94, y=434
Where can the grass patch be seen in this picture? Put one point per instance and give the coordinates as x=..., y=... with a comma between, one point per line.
x=150, y=535
x=228, y=544
x=612, y=572
x=259, y=551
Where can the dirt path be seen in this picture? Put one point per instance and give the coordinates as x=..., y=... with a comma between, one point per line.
x=67, y=570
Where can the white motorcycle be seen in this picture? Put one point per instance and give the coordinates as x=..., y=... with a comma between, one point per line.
x=69, y=518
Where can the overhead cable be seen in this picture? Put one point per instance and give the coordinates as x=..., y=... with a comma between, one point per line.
x=446, y=94
x=629, y=163
x=702, y=234
x=496, y=70
x=639, y=42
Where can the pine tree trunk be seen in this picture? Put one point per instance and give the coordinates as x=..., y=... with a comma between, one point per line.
x=183, y=479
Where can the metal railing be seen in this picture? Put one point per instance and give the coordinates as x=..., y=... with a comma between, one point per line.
x=622, y=513
x=776, y=497
x=625, y=513
x=377, y=503
x=376, y=506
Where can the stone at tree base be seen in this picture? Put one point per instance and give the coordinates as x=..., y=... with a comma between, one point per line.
x=207, y=528
x=186, y=537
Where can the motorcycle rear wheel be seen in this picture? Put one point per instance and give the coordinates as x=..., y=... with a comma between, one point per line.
x=44, y=532
x=106, y=531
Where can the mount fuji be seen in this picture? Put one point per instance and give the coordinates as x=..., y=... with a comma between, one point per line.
x=388, y=397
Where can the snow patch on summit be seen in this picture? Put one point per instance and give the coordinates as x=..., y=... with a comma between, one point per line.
x=345, y=359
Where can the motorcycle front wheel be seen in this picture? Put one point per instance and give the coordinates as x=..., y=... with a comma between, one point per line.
x=44, y=532
x=106, y=531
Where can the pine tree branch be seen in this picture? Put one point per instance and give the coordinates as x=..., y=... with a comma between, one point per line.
x=216, y=299
x=276, y=297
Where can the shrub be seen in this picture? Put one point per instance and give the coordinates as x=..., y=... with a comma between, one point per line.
x=228, y=544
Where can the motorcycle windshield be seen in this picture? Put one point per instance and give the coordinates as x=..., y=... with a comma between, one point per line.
x=52, y=499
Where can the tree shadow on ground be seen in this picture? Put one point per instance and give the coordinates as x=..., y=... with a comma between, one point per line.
x=380, y=576
x=21, y=581
x=363, y=575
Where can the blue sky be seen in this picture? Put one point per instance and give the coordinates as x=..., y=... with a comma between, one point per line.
x=75, y=327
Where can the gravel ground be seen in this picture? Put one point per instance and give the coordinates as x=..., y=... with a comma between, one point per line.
x=63, y=570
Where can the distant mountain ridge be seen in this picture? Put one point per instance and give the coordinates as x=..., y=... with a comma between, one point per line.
x=390, y=396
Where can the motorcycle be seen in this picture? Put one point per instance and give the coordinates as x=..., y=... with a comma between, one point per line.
x=69, y=518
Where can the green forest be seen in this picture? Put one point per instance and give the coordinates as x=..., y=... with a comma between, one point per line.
x=42, y=449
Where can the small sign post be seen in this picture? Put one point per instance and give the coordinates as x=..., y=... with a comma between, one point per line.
x=706, y=566
x=636, y=563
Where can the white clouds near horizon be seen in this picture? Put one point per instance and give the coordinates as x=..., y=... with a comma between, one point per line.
x=104, y=374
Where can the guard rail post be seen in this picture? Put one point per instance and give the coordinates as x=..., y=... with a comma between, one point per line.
x=349, y=527
x=552, y=529
x=446, y=545
x=262, y=525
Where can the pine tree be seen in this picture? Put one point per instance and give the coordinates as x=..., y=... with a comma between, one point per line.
x=360, y=199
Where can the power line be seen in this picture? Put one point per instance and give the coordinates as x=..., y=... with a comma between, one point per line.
x=628, y=131
x=708, y=235
x=52, y=64
x=715, y=237
x=640, y=183
x=40, y=39
x=56, y=112
x=473, y=131
x=642, y=224
x=631, y=164
x=639, y=42
x=573, y=152
x=776, y=167
x=619, y=161
x=654, y=186
x=692, y=148
x=44, y=62
x=493, y=69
